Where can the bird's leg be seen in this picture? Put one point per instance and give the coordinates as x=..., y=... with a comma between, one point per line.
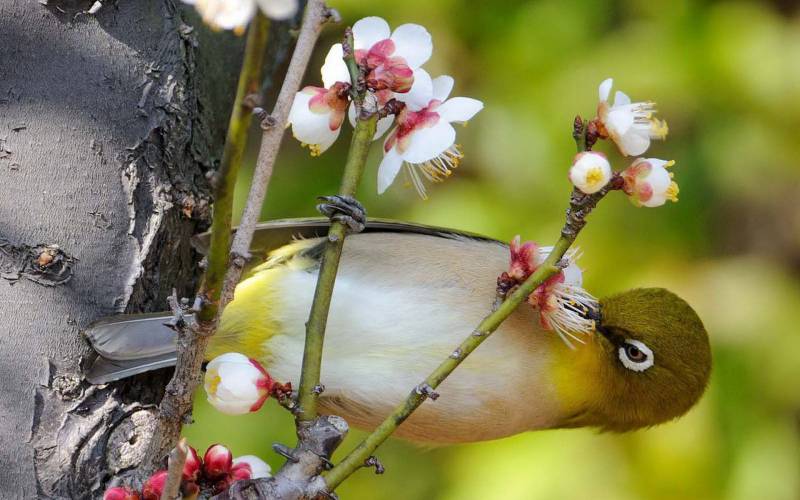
x=344, y=209
x=372, y=461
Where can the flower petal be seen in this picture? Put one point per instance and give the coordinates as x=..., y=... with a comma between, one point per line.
x=413, y=43
x=605, y=89
x=633, y=143
x=388, y=169
x=442, y=86
x=368, y=31
x=459, y=109
x=421, y=92
x=621, y=99
x=309, y=127
x=278, y=9
x=619, y=121
x=334, y=70
x=227, y=14
x=428, y=143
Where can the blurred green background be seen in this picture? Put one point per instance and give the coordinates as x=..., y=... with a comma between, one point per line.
x=726, y=76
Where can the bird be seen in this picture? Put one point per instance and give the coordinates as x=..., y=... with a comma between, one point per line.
x=405, y=296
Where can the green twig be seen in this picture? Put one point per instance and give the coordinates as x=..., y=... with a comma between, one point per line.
x=225, y=178
x=193, y=338
x=318, y=317
x=580, y=206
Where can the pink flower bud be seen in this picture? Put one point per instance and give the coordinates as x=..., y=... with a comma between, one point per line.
x=217, y=461
x=648, y=183
x=523, y=259
x=236, y=384
x=154, y=485
x=120, y=493
x=249, y=467
x=191, y=469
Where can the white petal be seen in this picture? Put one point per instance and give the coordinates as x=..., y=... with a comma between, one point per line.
x=334, y=70
x=368, y=31
x=229, y=407
x=413, y=43
x=605, y=89
x=278, y=9
x=388, y=169
x=258, y=467
x=621, y=99
x=459, y=109
x=619, y=121
x=633, y=143
x=229, y=357
x=227, y=14
x=421, y=92
x=573, y=275
x=428, y=143
x=383, y=125
x=442, y=86
x=309, y=127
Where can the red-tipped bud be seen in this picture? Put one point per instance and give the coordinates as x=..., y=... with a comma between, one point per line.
x=236, y=384
x=217, y=461
x=249, y=467
x=154, y=485
x=120, y=493
x=191, y=469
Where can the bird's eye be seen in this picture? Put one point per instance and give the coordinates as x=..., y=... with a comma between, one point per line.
x=635, y=356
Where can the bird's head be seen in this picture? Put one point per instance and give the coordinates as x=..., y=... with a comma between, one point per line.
x=649, y=362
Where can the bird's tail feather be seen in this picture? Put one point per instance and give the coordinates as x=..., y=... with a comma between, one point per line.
x=130, y=344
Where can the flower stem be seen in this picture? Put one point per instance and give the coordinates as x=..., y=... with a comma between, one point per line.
x=225, y=178
x=318, y=317
x=192, y=340
x=580, y=206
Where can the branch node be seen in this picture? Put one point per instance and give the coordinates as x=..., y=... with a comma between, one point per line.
x=427, y=391
x=372, y=461
x=456, y=354
x=318, y=389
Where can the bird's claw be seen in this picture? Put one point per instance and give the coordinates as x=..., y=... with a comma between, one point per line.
x=344, y=209
x=372, y=461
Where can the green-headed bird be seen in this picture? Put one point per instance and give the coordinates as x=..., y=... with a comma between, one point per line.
x=405, y=297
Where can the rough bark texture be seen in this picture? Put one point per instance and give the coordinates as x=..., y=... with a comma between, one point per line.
x=108, y=123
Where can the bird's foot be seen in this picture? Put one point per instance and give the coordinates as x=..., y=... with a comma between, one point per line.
x=344, y=209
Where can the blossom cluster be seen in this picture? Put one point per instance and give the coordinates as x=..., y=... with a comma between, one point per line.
x=563, y=305
x=422, y=138
x=631, y=126
x=215, y=472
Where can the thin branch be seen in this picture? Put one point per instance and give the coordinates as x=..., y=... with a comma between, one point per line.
x=177, y=459
x=580, y=206
x=314, y=18
x=366, y=123
x=193, y=338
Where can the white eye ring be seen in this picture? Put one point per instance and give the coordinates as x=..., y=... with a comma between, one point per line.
x=637, y=366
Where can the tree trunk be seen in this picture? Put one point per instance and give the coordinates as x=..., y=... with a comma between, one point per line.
x=108, y=124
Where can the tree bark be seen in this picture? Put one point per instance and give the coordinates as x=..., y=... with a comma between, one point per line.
x=108, y=125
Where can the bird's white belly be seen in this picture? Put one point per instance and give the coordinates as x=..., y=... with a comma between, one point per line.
x=384, y=337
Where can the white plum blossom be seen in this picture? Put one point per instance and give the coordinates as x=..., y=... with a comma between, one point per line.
x=423, y=139
x=250, y=467
x=390, y=59
x=236, y=384
x=564, y=306
x=648, y=183
x=590, y=172
x=630, y=125
x=235, y=14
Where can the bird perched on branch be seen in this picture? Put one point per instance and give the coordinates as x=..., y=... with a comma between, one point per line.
x=405, y=297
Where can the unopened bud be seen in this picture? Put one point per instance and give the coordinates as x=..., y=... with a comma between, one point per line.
x=590, y=172
x=154, y=485
x=217, y=461
x=120, y=493
x=249, y=467
x=192, y=466
x=236, y=384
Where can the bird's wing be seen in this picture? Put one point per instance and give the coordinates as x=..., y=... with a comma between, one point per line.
x=277, y=233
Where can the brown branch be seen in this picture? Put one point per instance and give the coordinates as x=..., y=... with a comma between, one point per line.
x=314, y=18
x=177, y=459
